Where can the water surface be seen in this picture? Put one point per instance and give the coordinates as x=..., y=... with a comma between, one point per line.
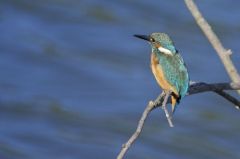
x=74, y=81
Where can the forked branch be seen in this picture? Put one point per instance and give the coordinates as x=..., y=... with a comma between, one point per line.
x=224, y=54
x=195, y=87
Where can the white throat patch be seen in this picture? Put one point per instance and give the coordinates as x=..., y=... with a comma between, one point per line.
x=165, y=51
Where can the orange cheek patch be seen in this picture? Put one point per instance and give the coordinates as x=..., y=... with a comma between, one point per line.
x=157, y=45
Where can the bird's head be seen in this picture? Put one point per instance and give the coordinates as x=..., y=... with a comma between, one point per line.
x=161, y=42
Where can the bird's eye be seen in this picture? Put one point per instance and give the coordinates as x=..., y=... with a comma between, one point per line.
x=152, y=40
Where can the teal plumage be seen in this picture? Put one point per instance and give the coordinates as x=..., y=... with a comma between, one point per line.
x=168, y=66
x=165, y=41
x=175, y=71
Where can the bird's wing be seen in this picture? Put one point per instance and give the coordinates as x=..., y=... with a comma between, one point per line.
x=175, y=72
x=183, y=79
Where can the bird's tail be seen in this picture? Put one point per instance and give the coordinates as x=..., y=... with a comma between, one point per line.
x=175, y=100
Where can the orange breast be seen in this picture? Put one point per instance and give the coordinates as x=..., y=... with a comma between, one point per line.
x=159, y=75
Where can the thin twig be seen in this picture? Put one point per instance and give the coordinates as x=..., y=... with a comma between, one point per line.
x=169, y=118
x=223, y=53
x=126, y=146
x=151, y=105
x=195, y=87
x=229, y=98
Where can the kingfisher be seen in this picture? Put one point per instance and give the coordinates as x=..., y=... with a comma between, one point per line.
x=168, y=66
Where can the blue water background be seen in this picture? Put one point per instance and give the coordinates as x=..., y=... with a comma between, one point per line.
x=74, y=81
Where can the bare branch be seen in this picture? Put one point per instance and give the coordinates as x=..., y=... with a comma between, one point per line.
x=195, y=87
x=223, y=53
x=229, y=98
x=135, y=135
x=217, y=88
x=199, y=87
x=168, y=116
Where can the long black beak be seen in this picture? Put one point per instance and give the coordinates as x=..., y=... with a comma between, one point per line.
x=144, y=37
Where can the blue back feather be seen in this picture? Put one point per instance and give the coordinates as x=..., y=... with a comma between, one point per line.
x=175, y=71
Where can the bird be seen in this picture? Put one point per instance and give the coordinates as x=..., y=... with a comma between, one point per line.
x=167, y=66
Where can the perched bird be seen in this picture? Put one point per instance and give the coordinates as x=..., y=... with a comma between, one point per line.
x=168, y=66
